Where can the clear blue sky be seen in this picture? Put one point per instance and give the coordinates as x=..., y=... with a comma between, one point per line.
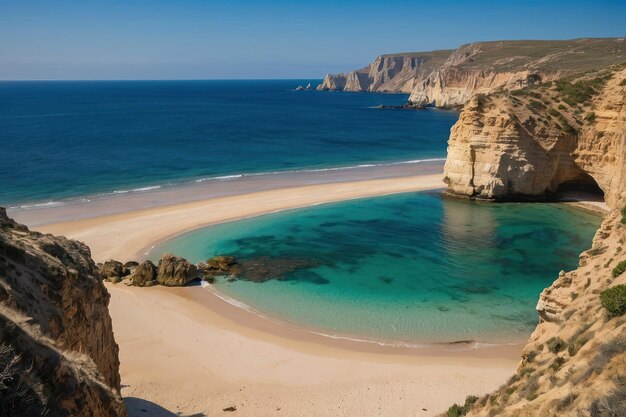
x=182, y=39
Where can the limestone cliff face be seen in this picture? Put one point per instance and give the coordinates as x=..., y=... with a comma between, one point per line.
x=58, y=355
x=532, y=142
x=571, y=132
x=398, y=73
x=487, y=67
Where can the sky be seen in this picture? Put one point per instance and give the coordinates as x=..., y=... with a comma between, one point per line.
x=196, y=39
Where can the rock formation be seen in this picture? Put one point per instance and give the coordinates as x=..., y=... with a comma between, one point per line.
x=397, y=73
x=174, y=271
x=58, y=356
x=451, y=78
x=487, y=67
x=530, y=143
x=144, y=275
x=534, y=142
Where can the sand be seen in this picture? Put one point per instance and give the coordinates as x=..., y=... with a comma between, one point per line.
x=184, y=351
x=129, y=235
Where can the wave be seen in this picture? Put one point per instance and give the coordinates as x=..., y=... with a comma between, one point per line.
x=136, y=190
x=305, y=170
x=74, y=200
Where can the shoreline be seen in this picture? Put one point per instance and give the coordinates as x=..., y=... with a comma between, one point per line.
x=137, y=230
x=185, y=350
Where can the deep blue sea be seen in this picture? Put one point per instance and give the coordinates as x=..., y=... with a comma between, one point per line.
x=68, y=139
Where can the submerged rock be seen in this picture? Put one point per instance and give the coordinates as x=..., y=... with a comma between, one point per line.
x=144, y=275
x=174, y=271
x=265, y=268
x=220, y=266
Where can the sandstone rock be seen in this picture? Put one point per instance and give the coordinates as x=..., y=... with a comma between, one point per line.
x=54, y=321
x=397, y=73
x=502, y=149
x=309, y=87
x=144, y=275
x=131, y=265
x=112, y=269
x=174, y=271
x=299, y=88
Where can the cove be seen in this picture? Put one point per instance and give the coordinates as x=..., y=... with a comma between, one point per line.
x=406, y=269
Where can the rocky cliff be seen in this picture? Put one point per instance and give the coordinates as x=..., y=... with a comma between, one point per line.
x=452, y=78
x=486, y=67
x=569, y=134
x=536, y=141
x=397, y=73
x=58, y=356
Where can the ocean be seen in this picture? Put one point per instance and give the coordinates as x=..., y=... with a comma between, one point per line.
x=64, y=140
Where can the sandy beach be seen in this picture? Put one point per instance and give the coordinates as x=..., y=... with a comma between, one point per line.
x=129, y=235
x=185, y=351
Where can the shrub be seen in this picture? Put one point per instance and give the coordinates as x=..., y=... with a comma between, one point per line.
x=619, y=269
x=558, y=362
x=614, y=404
x=535, y=105
x=623, y=82
x=606, y=352
x=556, y=344
x=579, y=92
x=460, y=410
x=624, y=215
x=614, y=300
x=591, y=117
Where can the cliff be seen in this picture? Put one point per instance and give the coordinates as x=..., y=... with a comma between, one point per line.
x=58, y=355
x=486, y=67
x=569, y=134
x=397, y=73
x=451, y=78
x=536, y=141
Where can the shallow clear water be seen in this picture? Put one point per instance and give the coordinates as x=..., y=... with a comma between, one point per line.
x=69, y=139
x=411, y=268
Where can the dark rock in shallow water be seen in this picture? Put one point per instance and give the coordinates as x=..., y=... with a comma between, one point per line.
x=144, y=275
x=406, y=106
x=174, y=271
x=219, y=266
x=257, y=269
x=265, y=268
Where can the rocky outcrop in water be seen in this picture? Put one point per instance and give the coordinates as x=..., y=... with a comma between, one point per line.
x=397, y=73
x=58, y=356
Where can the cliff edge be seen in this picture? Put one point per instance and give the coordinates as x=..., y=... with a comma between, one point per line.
x=396, y=73
x=58, y=355
x=564, y=135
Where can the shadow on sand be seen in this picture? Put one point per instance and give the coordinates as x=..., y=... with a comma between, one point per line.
x=138, y=407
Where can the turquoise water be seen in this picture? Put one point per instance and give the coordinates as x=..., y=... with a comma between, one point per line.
x=410, y=268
